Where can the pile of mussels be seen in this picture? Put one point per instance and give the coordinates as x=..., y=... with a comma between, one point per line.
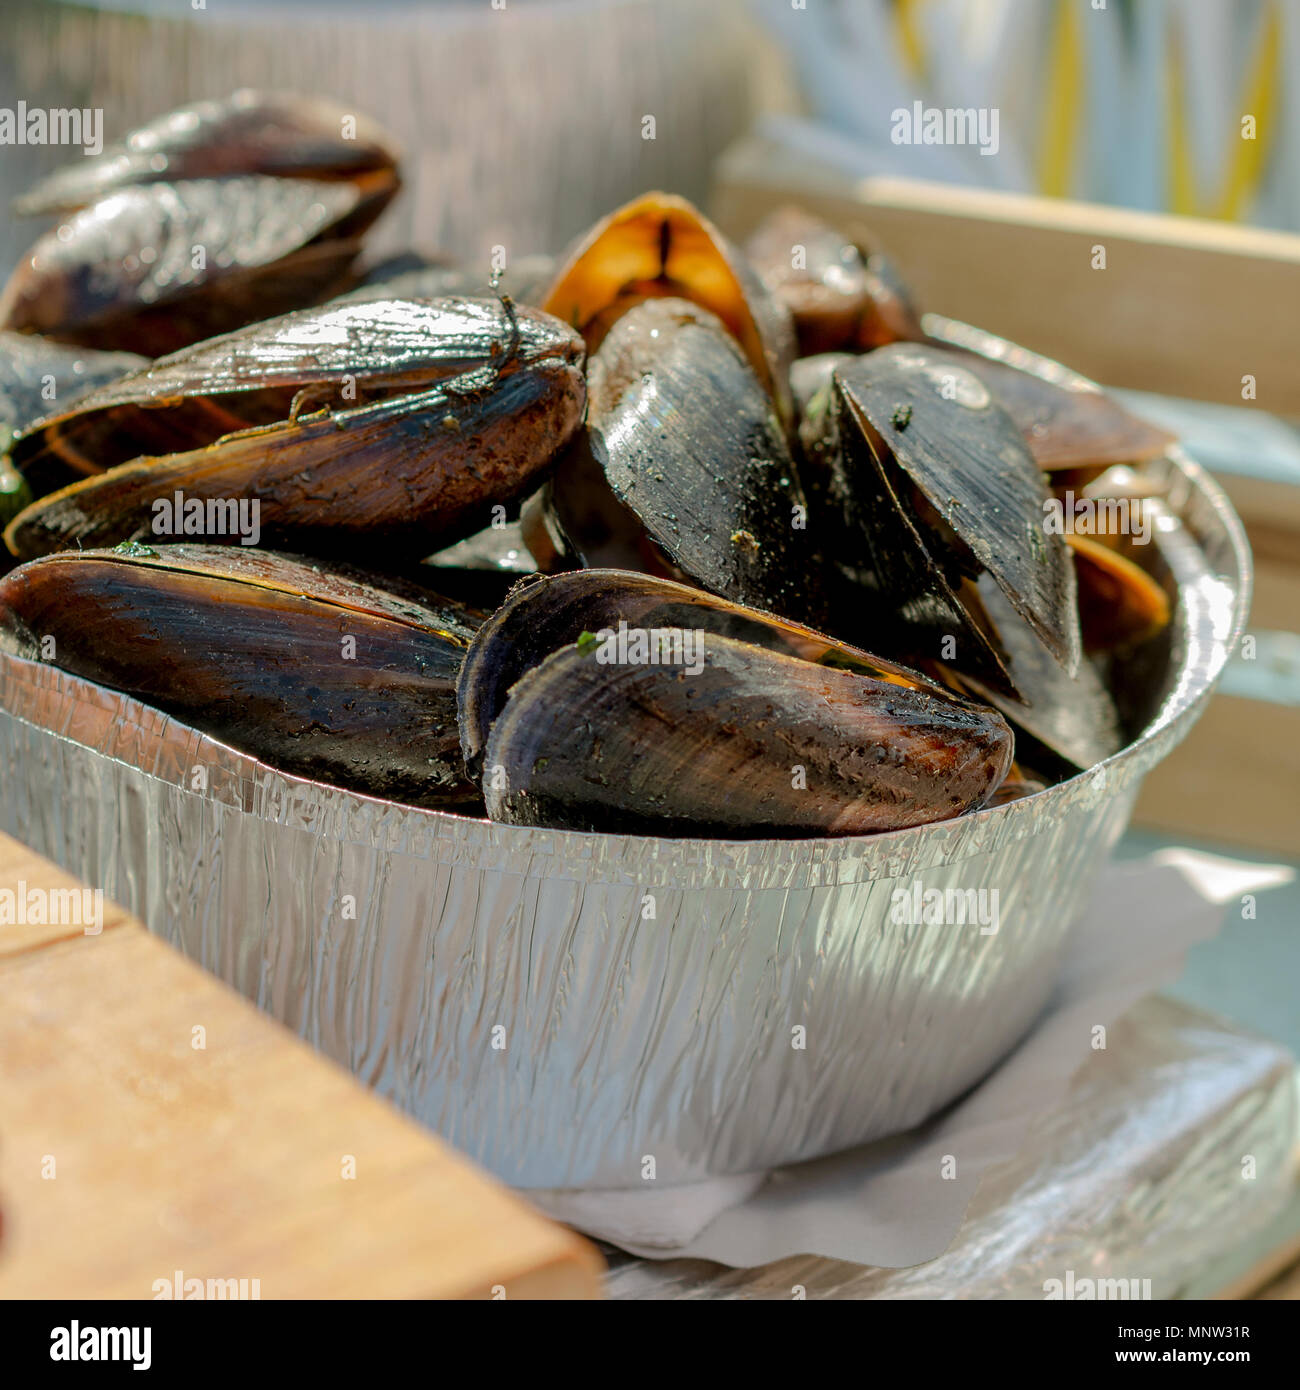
x=792, y=570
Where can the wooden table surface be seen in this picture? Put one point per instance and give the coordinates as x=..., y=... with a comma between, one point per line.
x=152, y=1121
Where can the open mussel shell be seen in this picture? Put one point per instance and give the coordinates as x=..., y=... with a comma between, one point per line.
x=394, y=479
x=660, y=245
x=1073, y=718
x=545, y=613
x=584, y=524
x=340, y=355
x=823, y=739
x=320, y=674
x=1068, y=421
x=811, y=383
x=154, y=267
x=690, y=442
x=840, y=297
x=1120, y=604
x=248, y=132
x=936, y=480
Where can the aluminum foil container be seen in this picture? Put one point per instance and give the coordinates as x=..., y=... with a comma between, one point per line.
x=565, y=1006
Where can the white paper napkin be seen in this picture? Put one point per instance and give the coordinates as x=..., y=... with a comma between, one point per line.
x=900, y=1201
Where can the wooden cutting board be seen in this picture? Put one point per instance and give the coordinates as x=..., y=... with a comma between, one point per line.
x=156, y=1129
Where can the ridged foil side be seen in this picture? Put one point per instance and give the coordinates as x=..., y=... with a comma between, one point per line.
x=561, y=1005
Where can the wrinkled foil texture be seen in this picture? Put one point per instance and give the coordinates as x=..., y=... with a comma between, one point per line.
x=1137, y=1175
x=561, y=1005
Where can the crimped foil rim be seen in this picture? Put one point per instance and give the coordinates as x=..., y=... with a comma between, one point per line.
x=162, y=748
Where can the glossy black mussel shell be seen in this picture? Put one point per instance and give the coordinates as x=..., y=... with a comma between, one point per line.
x=1067, y=421
x=340, y=355
x=760, y=727
x=419, y=465
x=157, y=266
x=248, y=132
x=935, y=486
x=319, y=673
x=1073, y=717
x=689, y=442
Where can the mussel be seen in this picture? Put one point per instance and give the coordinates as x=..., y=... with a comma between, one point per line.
x=840, y=297
x=935, y=487
x=1068, y=421
x=660, y=245
x=459, y=405
x=38, y=376
x=618, y=702
x=153, y=267
x=320, y=672
x=1071, y=720
x=1120, y=604
x=690, y=445
x=248, y=132
x=780, y=597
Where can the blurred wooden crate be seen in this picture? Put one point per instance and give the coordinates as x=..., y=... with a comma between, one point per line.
x=1184, y=306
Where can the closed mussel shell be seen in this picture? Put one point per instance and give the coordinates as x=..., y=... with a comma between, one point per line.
x=321, y=674
x=153, y=267
x=247, y=132
x=398, y=477
x=840, y=297
x=544, y=613
x=340, y=355
x=689, y=441
x=732, y=739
